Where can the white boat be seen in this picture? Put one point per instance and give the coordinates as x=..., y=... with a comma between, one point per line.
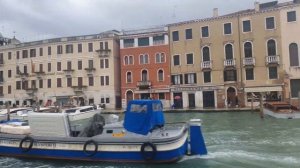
x=81, y=113
x=281, y=110
x=142, y=137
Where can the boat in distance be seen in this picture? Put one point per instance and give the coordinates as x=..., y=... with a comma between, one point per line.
x=143, y=136
x=281, y=110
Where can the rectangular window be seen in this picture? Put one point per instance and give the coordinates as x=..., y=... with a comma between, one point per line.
x=230, y=75
x=102, y=100
x=143, y=41
x=9, y=73
x=227, y=29
x=69, y=82
x=18, y=54
x=80, y=65
x=91, y=81
x=59, y=49
x=106, y=63
x=41, y=68
x=33, y=84
x=49, y=67
x=106, y=45
x=175, y=35
x=59, y=82
x=161, y=96
x=9, y=55
x=246, y=26
x=41, y=83
x=91, y=64
x=177, y=79
x=80, y=81
x=32, y=53
x=188, y=34
x=49, y=83
x=128, y=43
x=189, y=59
x=18, y=85
x=204, y=31
x=1, y=90
x=90, y=47
x=25, y=54
x=295, y=88
x=41, y=52
x=102, y=80
x=9, y=89
x=270, y=23
x=49, y=50
x=291, y=16
x=101, y=45
x=176, y=60
x=25, y=85
x=190, y=78
x=101, y=63
x=207, y=76
x=69, y=48
x=107, y=100
x=273, y=73
x=249, y=74
x=79, y=48
x=107, y=80
x=158, y=40
x=25, y=69
x=58, y=66
x=69, y=65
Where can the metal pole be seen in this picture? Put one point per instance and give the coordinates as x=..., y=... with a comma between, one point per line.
x=261, y=106
x=251, y=101
x=8, y=110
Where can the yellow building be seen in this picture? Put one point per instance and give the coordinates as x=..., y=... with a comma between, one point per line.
x=223, y=61
x=81, y=69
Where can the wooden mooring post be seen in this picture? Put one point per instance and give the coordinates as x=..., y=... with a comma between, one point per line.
x=8, y=110
x=261, y=111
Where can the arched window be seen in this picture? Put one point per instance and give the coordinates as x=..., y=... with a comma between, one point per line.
x=294, y=55
x=160, y=75
x=206, y=54
x=144, y=59
x=144, y=75
x=248, y=50
x=271, y=47
x=228, y=52
x=129, y=77
x=126, y=60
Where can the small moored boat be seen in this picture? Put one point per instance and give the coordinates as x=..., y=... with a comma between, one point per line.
x=281, y=110
x=143, y=136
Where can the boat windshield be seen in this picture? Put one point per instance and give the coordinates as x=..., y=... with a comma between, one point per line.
x=137, y=108
x=70, y=110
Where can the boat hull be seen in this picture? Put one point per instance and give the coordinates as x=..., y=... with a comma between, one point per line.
x=167, y=151
x=292, y=115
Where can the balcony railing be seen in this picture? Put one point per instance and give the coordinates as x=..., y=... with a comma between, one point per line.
x=274, y=59
x=23, y=75
x=229, y=63
x=104, y=52
x=31, y=91
x=249, y=61
x=79, y=88
x=206, y=65
x=143, y=84
x=40, y=74
x=68, y=72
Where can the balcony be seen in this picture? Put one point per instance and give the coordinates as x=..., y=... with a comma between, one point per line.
x=90, y=71
x=31, y=91
x=249, y=61
x=68, y=72
x=40, y=74
x=79, y=89
x=104, y=52
x=143, y=84
x=274, y=59
x=229, y=64
x=206, y=65
x=24, y=75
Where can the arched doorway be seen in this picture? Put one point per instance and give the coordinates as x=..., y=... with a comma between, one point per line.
x=129, y=95
x=231, y=97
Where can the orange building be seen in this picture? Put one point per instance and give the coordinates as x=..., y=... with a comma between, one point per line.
x=145, y=65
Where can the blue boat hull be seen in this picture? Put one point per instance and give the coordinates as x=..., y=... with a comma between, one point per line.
x=160, y=156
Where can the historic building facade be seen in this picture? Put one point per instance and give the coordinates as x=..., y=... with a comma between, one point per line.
x=145, y=65
x=223, y=61
x=81, y=69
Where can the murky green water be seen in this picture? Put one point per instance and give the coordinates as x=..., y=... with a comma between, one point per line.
x=233, y=140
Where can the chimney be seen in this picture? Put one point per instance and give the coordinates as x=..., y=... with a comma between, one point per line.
x=216, y=12
x=256, y=6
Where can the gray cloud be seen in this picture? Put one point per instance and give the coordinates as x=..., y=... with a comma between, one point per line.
x=40, y=19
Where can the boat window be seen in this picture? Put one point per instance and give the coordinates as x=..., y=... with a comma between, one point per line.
x=70, y=111
x=109, y=131
x=86, y=109
x=157, y=107
x=137, y=108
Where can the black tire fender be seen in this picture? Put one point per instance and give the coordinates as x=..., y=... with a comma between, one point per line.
x=90, y=153
x=148, y=155
x=26, y=139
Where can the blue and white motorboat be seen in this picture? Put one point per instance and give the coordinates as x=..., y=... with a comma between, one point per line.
x=143, y=136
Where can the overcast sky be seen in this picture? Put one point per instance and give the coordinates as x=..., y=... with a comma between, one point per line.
x=41, y=19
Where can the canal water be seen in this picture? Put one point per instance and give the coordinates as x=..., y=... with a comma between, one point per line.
x=237, y=139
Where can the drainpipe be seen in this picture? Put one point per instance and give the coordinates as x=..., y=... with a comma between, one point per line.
x=241, y=60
